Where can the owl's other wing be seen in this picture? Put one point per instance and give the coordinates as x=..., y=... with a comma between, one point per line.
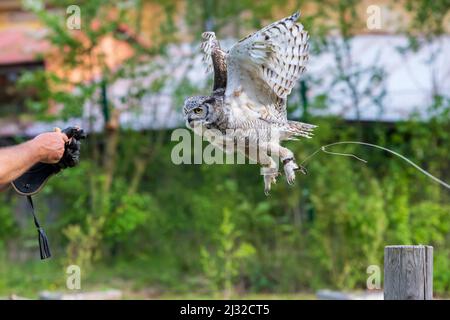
x=266, y=65
x=215, y=59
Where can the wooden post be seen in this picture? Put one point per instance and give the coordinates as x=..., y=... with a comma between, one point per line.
x=408, y=273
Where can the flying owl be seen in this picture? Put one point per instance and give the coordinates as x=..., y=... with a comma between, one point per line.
x=248, y=103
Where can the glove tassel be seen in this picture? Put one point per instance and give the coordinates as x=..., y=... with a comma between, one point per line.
x=44, y=247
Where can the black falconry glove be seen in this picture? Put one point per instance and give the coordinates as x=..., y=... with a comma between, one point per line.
x=32, y=181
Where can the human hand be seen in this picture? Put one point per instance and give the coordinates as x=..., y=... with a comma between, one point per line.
x=50, y=146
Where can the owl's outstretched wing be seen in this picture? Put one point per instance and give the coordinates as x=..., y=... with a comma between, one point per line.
x=215, y=59
x=266, y=65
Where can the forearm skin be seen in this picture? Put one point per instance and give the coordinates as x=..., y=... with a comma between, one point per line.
x=16, y=160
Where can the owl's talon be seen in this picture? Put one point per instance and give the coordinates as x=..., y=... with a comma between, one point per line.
x=291, y=179
x=268, y=180
x=289, y=170
x=302, y=169
x=274, y=178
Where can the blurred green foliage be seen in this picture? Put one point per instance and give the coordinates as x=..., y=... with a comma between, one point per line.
x=197, y=223
x=127, y=212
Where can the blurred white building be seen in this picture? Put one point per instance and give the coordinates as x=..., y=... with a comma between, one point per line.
x=411, y=80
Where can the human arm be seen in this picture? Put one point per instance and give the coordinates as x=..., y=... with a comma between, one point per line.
x=14, y=161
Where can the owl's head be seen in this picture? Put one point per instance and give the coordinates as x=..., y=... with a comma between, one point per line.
x=199, y=110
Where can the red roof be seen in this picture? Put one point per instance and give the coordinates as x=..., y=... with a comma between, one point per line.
x=21, y=45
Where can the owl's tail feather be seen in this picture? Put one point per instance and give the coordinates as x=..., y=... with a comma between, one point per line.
x=301, y=129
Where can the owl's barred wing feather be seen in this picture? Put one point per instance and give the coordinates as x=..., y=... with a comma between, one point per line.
x=267, y=64
x=207, y=45
x=215, y=59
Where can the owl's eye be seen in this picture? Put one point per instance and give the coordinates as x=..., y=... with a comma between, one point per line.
x=198, y=110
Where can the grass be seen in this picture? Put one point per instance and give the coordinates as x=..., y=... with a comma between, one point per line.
x=136, y=280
